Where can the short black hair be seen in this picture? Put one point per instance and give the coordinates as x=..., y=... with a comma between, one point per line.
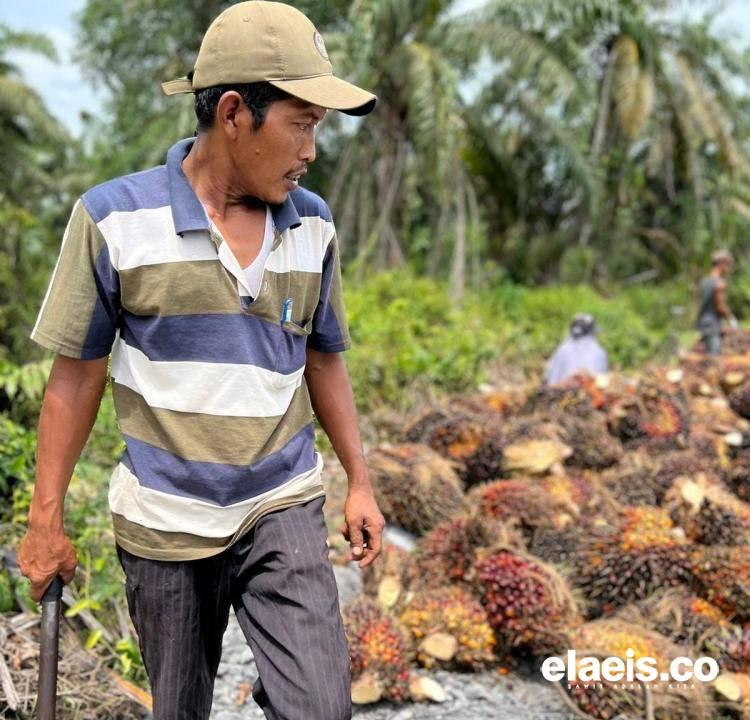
x=257, y=96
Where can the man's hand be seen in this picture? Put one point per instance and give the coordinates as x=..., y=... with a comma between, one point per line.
x=363, y=529
x=44, y=553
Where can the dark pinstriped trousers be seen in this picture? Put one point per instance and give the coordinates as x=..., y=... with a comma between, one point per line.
x=280, y=582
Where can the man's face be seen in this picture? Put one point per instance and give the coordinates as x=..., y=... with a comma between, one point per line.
x=272, y=158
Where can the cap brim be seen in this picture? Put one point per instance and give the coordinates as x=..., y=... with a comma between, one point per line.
x=174, y=87
x=329, y=92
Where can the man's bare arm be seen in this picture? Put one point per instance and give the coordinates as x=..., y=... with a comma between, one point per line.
x=71, y=401
x=333, y=403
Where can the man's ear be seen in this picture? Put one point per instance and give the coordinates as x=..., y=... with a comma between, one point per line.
x=229, y=110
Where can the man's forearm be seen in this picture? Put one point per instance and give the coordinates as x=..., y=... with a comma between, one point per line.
x=71, y=401
x=333, y=404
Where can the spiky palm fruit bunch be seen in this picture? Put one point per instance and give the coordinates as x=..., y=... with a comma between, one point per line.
x=653, y=418
x=528, y=603
x=577, y=492
x=520, y=501
x=556, y=546
x=737, y=476
x=420, y=428
x=678, y=614
x=447, y=553
x=719, y=525
x=685, y=463
x=721, y=575
x=606, y=701
x=626, y=561
x=631, y=486
x=415, y=487
x=390, y=577
x=593, y=446
x=739, y=400
x=729, y=645
x=572, y=398
x=473, y=444
x=379, y=647
x=616, y=638
x=496, y=404
x=449, y=629
x=709, y=513
x=737, y=342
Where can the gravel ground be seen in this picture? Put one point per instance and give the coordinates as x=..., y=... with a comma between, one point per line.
x=470, y=696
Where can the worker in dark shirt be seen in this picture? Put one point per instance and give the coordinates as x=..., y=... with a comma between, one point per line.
x=713, y=309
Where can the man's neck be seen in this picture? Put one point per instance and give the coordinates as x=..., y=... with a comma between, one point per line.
x=209, y=173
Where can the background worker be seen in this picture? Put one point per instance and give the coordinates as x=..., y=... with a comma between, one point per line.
x=579, y=352
x=713, y=309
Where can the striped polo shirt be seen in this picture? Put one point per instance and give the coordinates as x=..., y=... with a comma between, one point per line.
x=207, y=380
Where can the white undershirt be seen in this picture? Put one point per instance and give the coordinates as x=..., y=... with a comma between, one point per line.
x=254, y=271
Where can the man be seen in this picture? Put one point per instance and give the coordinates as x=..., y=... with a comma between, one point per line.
x=579, y=352
x=712, y=303
x=215, y=281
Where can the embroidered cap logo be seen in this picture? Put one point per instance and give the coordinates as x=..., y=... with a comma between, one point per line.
x=319, y=44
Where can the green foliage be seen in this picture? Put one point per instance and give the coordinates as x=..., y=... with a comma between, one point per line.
x=738, y=293
x=407, y=335
x=409, y=339
x=17, y=461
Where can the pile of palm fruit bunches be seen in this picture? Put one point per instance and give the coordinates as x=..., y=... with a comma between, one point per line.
x=608, y=515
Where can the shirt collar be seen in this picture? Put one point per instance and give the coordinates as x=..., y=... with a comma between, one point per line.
x=187, y=210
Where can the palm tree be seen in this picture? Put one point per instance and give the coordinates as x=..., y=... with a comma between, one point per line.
x=636, y=153
x=33, y=185
x=403, y=188
x=26, y=127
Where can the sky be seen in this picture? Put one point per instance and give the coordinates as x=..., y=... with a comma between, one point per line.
x=67, y=93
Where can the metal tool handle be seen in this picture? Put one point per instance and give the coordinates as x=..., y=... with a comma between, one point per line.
x=54, y=591
x=48, y=644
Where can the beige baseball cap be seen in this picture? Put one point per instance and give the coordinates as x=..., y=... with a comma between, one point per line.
x=259, y=40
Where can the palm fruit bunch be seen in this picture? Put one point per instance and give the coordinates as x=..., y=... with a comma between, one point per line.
x=631, y=485
x=557, y=546
x=495, y=404
x=613, y=637
x=604, y=701
x=415, y=487
x=709, y=513
x=474, y=445
x=379, y=653
x=449, y=629
x=576, y=492
x=685, y=463
x=422, y=426
x=390, y=577
x=739, y=400
x=737, y=342
x=733, y=689
x=729, y=645
x=655, y=416
x=721, y=575
x=569, y=411
x=519, y=501
x=678, y=614
x=737, y=476
x=593, y=447
x=447, y=553
x=572, y=398
x=528, y=603
x=627, y=560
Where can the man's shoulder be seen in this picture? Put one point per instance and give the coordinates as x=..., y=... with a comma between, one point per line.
x=147, y=189
x=308, y=204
